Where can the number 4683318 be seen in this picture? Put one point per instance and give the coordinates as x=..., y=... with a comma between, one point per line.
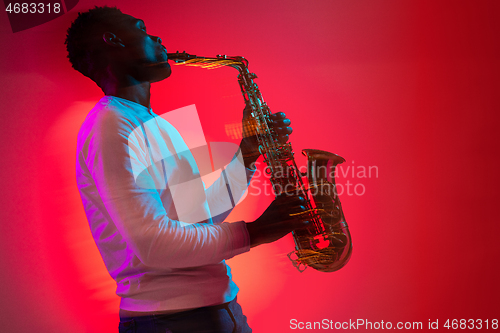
x=33, y=8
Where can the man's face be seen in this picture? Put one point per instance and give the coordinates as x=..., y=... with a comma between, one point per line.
x=144, y=54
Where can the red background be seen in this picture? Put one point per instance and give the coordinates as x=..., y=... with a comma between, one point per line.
x=409, y=87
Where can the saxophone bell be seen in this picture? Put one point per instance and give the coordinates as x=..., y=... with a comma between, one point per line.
x=326, y=245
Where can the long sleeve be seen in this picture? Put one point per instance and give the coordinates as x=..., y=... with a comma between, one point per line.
x=225, y=193
x=112, y=155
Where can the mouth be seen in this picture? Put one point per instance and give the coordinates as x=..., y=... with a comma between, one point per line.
x=164, y=54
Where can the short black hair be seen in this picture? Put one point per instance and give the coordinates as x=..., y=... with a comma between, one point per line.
x=84, y=41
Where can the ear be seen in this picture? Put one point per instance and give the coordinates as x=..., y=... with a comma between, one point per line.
x=112, y=40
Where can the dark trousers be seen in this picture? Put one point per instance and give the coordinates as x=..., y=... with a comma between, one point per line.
x=224, y=318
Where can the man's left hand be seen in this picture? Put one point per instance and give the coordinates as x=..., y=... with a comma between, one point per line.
x=278, y=123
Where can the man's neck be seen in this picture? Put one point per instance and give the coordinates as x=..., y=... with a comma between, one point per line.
x=138, y=92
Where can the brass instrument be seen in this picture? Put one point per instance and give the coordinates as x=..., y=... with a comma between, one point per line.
x=325, y=244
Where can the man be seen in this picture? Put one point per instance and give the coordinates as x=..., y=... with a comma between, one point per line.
x=166, y=256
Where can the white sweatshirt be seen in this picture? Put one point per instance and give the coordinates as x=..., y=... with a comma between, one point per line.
x=135, y=175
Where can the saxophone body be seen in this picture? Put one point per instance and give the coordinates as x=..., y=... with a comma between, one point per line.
x=325, y=244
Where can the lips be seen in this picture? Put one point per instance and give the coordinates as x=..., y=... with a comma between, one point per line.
x=163, y=53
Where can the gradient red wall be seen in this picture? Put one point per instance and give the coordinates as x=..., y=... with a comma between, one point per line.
x=408, y=88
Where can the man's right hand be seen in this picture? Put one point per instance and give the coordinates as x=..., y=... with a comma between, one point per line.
x=276, y=222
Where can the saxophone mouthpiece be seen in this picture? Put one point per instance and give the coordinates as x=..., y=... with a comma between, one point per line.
x=179, y=57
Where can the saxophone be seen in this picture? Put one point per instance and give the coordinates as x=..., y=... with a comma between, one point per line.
x=325, y=244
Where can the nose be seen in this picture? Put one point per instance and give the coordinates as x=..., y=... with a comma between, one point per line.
x=158, y=39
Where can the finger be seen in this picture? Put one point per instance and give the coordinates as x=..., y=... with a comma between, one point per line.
x=284, y=130
x=300, y=209
x=285, y=122
x=281, y=122
x=278, y=115
x=298, y=206
x=283, y=138
x=288, y=201
x=302, y=224
x=292, y=201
